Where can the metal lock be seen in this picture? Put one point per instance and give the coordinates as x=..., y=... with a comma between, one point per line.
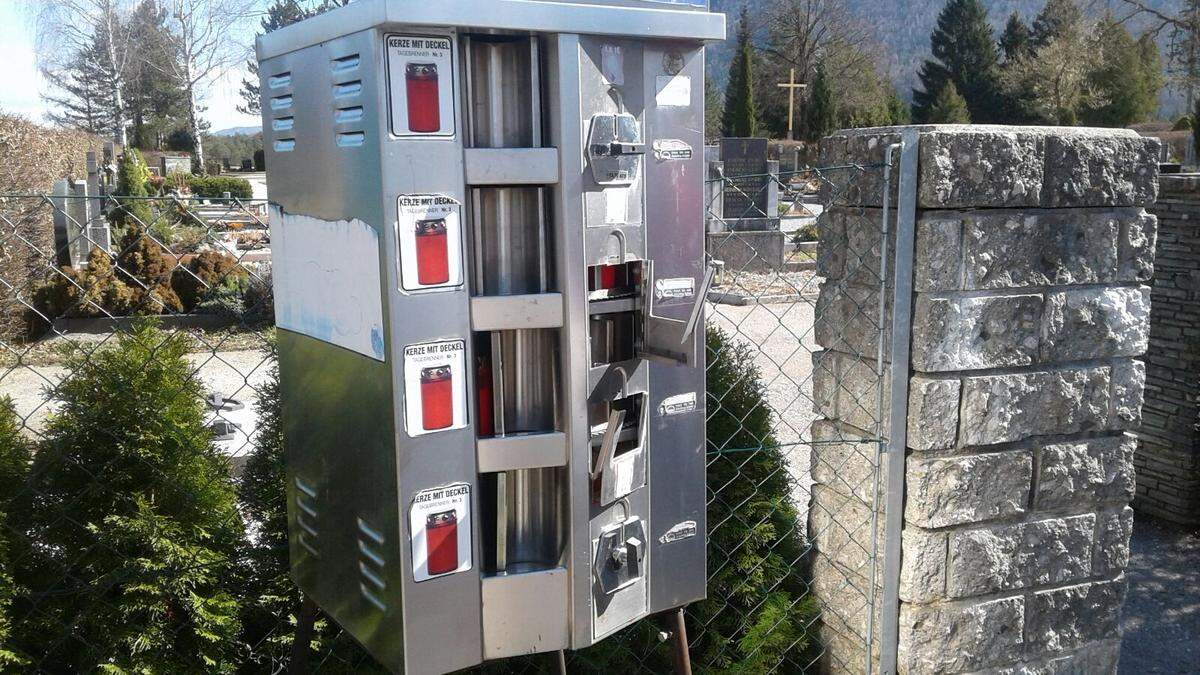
x=615, y=148
x=620, y=553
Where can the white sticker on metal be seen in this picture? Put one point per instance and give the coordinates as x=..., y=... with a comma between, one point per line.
x=678, y=287
x=684, y=530
x=435, y=379
x=677, y=404
x=429, y=234
x=327, y=283
x=667, y=149
x=421, y=87
x=616, y=205
x=439, y=524
x=612, y=64
x=673, y=90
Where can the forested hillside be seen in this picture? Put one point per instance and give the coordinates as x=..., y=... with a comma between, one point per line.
x=902, y=27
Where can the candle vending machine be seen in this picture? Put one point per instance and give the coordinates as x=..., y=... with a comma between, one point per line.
x=487, y=240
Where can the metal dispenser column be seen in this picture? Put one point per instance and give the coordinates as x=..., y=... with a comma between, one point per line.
x=487, y=239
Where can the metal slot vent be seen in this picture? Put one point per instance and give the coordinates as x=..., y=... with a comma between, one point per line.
x=345, y=63
x=371, y=565
x=285, y=145
x=348, y=115
x=281, y=102
x=280, y=80
x=351, y=139
x=283, y=123
x=347, y=89
x=307, y=517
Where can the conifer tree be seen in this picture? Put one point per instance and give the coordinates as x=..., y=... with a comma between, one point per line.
x=1126, y=77
x=714, y=109
x=949, y=107
x=740, y=118
x=964, y=52
x=135, y=519
x=14, y=464
x=821, y=114
x=1014, y=41
x=1057, y=19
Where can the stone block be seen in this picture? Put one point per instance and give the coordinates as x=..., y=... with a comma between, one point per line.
x=1086, y=472
x=849, y=245
x=1019, y=555
x=959, y=636
x=923, y=572
x=938, y=258
x=847, y=319
x=857, y=148
x=933, y=412
x=842, y=461
x=1137, y=248
x=1092, y=323
x=839, y=528
x=1094, y=168
x=1005, y=408
x=846, y=388
x=969, y=333
x=1128, y=389
x=1097, y=658
x=1015, y=249
x=965, y=167
x=943, y=491
x=1113, y=531
x=1067, y=618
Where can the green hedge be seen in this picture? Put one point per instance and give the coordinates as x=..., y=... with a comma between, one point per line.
x=214, y=187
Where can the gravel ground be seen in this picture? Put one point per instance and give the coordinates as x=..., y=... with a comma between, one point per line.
x=782, y=332
x=1161, y=620
x=233, y=374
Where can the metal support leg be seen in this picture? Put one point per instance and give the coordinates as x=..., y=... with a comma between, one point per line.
x=683, y=657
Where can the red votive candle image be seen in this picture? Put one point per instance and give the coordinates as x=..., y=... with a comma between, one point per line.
x=424, y=106
x=433, y=257
x=441, y=541
x=437, y=400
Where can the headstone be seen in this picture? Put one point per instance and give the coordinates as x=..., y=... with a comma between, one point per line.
x=247, y=165
x=175, y=164
x=749, y=197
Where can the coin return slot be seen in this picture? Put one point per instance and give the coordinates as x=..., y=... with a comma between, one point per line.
x=614, y=337
x=617, y=447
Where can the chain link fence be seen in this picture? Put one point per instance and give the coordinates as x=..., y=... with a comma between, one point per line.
x=142, y=506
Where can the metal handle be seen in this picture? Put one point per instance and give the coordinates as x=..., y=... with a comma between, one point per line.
x=608, y=446
x=698, y=303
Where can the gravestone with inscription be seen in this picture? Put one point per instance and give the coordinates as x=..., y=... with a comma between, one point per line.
x=175, y=164
x=749, y=198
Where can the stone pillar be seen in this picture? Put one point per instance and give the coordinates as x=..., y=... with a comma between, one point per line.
x=1030, y=310
x=1168, y=456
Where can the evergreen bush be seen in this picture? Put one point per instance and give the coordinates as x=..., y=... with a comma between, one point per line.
x=14, y=463
x=205, y=276
x=135, y=520
x=214, y=187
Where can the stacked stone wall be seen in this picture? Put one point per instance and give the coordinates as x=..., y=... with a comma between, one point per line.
x=1168, y=457
x=1030, y=314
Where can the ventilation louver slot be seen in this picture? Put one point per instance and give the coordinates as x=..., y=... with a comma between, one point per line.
x=307, y=517
x=371, y=565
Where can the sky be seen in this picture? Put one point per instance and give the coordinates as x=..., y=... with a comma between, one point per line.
x=22, y=86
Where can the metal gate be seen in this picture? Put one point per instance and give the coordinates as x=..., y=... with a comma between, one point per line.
x=103, y=560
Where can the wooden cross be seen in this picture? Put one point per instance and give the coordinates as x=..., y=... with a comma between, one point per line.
x=791, y=85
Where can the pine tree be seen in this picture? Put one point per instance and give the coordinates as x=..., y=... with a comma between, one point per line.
x=964, y=52
x=898, y=111
x=821, y=114
x=14, y=464
x=740, y=119
x=1057, y=18
x=1014, y=41
x=136, y=519
x=1125, y=77
x=713, y=110
x=155, y=103
x=949, y=107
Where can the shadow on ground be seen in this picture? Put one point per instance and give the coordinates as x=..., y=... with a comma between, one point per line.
x=1162, y=611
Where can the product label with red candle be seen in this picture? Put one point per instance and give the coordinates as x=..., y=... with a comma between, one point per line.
x=433, y=265
x=429, y=234
x=440, y=531
x=435, y=387
x=421, y=80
